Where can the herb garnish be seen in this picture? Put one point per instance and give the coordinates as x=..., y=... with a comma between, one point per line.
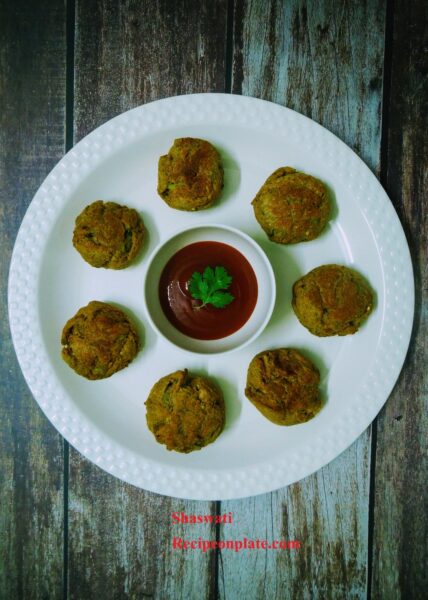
x=209, y=285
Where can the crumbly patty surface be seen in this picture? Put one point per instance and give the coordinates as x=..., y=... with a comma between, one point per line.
x=283, y=385
x=332, y=300
x=190, y=176
x=108, y=235
x=291, y=206
x=99, y=341
x=185, y=412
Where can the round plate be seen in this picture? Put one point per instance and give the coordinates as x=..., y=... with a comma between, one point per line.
x=49, y=282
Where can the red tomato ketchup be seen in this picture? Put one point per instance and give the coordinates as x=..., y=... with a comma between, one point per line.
x=207, y=323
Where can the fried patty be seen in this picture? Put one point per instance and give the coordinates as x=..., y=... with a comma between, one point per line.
x=291, y=206
x=283, y=385
x=108, y=235
x=190, y=176
x=185, y=412
x=99, y=341
x=332, y=300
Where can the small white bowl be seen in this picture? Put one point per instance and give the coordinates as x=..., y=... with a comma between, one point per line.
x=265, y=281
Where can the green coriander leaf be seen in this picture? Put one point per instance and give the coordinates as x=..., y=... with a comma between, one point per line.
x=209, y=276
x=193, y=285
x=221, y=299
x=208, y=286
x=204, y=288
x=222, y=277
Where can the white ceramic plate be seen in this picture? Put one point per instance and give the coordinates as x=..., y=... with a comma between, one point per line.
x=49, y=281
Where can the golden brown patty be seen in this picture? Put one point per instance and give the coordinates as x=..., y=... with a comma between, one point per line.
x=99, y=340
x=283, y=385
x=185, y=412
x=332, y=300
x=190, y=176
x=292, y=207
x=108, y=235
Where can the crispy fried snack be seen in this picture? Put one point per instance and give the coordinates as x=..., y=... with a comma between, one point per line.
x=190, y=176
x=332, y=300
x=283, y=385
x=108, y=235
x=99, y=341
x=292, y=207
x=185, y=412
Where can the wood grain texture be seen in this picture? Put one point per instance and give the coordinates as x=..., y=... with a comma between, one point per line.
x=120, y=541
x=400, y=553
x=129, y=53
x=325, y=61
x=326, y=513
x=32, y=44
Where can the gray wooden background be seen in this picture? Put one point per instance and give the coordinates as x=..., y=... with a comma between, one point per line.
x=69, y=530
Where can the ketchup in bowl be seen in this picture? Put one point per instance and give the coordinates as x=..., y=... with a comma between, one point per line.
x=184, y=312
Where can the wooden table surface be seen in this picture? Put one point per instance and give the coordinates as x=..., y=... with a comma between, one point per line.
x=68, y=529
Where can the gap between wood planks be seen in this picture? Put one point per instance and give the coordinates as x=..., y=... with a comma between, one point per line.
x=69, y=142
x=386, y=93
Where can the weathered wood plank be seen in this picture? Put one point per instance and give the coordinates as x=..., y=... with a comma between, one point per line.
x=129, y=53
x=143, y=51
x=400, y=553
x=120, y=541
x=326, y=513
x=323, y=59
x=32, y=44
